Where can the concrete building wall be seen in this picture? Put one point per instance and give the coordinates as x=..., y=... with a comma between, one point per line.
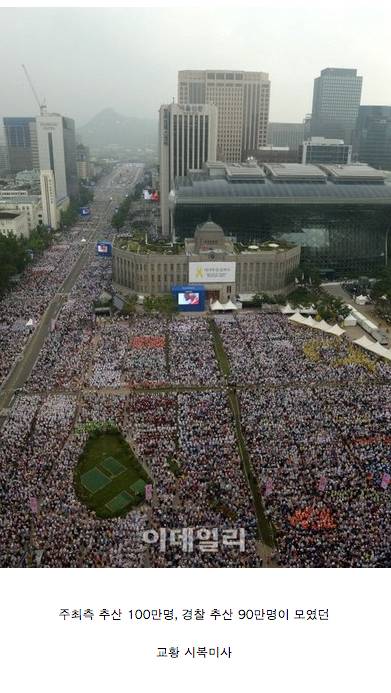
x=286, y=135
x=32, y=210
x=242, y=100
x=50, y=214
x=335, y=104
x=57, y=152
x=187, y=138
x=156, y=274
x=15, y=223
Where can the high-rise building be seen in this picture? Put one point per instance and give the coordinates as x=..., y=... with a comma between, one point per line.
x=48, y=199
x=4, y=162
x=20, y=136
x=319, y=150
x=289, y=135
x=242, y=100
x=83, y=162
x=187, y=138
x=372, y=136
x=335, y=104
x=57, y=152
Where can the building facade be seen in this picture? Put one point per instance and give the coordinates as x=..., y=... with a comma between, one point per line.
x=20, y=136
x=340, y=216
x=372, y=136
x=4, y=161
x=83, y=162
x=50, y=212
x=242, y=100
x=30, y=206
x=209, y=258
x=335, y=103
x=319, y=150
x=272, y=154
x=187, y=138
x=289, y=135
x=57, y=152
x=14, y=222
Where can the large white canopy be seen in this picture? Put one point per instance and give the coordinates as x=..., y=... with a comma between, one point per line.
x=337, y=330
x=288, y=310
x=374, y=347
x=216, y=305
x=350, y=321
x=298, y=318
x=323, y=326
x=229, y=305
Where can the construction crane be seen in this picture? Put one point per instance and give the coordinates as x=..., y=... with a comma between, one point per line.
x=42, y=106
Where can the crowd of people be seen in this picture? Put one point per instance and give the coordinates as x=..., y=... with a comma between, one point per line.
x=30, y=297
x=206, y=492
x=265, y=349
x=191, y=354
x=315, y=414
x=320, y=455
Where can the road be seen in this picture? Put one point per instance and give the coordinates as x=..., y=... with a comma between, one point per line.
x=336, y=290
x=102, y=210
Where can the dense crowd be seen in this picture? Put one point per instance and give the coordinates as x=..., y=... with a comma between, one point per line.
x=320, y=455
x=192, y=358
x=267, y=350
x=208, y=493
x=30, y=298
x=316, y=419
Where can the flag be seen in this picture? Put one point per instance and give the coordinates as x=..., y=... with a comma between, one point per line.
x=386, y=478
x=148, y=491
x=33, y=504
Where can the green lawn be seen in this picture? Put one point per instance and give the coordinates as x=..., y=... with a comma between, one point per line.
x=108, y=477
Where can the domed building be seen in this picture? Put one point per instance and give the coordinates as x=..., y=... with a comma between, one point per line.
x=210, y=258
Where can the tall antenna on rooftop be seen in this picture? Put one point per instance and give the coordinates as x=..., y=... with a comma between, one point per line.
x=42, y=106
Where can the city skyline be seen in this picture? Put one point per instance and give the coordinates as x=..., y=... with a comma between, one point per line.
x=129, y=58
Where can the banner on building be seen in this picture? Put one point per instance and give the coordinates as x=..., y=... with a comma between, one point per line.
x=212, y=272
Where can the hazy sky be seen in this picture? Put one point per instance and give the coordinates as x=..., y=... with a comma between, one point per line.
x=83, y=60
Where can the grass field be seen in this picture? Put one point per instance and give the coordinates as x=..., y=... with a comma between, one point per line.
x=108, y=478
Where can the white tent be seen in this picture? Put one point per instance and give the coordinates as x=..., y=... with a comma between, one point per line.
x=310, y=322
x=336, y=329
x=216, y=306
x=298, y=318
x=361, y=300
x=288, y=310
x=374, y=347
x=323, y=325
x=230, y=305
x=363, y=342
x=350, y=321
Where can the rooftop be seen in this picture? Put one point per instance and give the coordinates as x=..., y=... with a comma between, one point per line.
x=286, y=184
x=353, y=172
x=295, y=172
x=249, y=171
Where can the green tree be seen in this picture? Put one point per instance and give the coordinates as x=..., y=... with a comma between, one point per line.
x=129, y=305
x=257, y=300
x=149, y=303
